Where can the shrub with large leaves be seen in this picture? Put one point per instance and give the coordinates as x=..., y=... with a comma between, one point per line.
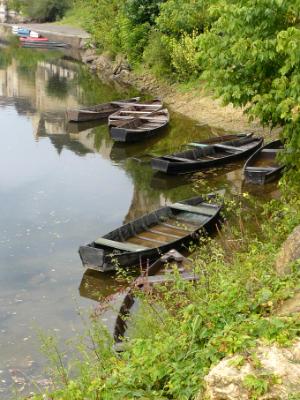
x=251, y=58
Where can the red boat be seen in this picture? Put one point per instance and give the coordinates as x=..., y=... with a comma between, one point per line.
x=33, y=40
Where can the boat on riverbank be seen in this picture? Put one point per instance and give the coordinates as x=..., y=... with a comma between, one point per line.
x=263, y=166
x=41, y=43
x=141, y=128
x=99, y=111
x=33, y=39
x=24, y=32
x=164, y=271
x=146, y=238
x=206, y=155
x=136, y=110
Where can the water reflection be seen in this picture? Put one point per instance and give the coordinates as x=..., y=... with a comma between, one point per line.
x=62, y=185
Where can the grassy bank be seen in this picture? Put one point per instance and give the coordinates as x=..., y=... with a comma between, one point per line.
x=230, y=309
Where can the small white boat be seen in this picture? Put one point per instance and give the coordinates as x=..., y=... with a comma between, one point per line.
x=34, y=34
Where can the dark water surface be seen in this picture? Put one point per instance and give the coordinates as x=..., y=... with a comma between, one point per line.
x=60, y=187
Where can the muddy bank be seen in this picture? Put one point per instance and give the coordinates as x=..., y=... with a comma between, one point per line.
x=194, y=103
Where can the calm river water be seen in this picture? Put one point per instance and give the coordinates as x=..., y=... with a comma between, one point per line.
x=61, y=187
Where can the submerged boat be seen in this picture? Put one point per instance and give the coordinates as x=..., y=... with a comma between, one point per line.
x=141, y=128
x=161, y=272
x=99, y=111
x=263, y=166
x=146, y=238
x=136, y=110
x=206, y=155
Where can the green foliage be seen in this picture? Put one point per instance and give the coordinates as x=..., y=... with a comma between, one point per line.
x=179, y=17
x=142, y=11
x=133, y=38
x=251, y=58
x=185, y=57
x=157, y=55
x=46, y=10
x=102, y=22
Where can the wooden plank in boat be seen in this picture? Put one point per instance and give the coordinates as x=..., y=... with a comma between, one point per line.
x=162, y=232
x=125, y=104
x=226, y=147
x=160, y=242
x=182, y=228
x=89, y=111
x=119, y=245
x=156, y=237
x=202, y=209
x=141, y=242
x=174, y=158
x=197, y=144
x=261, y=169
x=270, y=150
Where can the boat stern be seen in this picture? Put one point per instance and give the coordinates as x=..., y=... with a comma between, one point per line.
x=118, y=134
x=93, y=258
x=161, y=165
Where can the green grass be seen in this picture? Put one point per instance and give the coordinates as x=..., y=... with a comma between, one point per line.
x=76, y=17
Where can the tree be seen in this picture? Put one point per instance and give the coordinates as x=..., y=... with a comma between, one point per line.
x=251, y=57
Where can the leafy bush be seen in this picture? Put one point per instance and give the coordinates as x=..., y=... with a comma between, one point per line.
x=185, y=56
x=141, y=11
x=132, y=38
x=179, y=17
x=157, y=55
x=251, y=58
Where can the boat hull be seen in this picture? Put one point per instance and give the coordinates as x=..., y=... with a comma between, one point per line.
x=106, y=259
x=261, y=175
x=119, y=134
x=175, y=168
x=97, y=112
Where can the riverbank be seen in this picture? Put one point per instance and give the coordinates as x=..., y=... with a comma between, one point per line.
x=233, y=310
x=192, y=101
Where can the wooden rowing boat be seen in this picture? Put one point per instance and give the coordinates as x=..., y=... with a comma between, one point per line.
x=263, y=166
x=99, y=111
x=161, y=272
x=141, y=128
x=206, y=155
x=136, y=110
x=153, y=234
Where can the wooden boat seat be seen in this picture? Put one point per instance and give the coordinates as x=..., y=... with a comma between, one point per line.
x=226, y=147
x=88, y=111
x=119, y=245
x=261, y=169
x=201, y=209
x=271, y=150
x=173, y=158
